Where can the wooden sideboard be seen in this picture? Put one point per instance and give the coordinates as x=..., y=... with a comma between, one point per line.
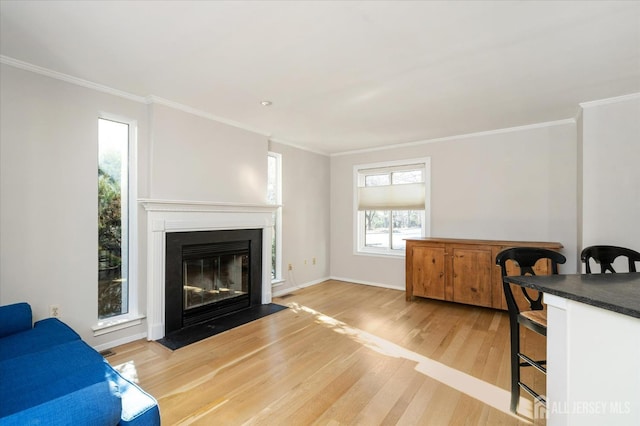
x=460, y=270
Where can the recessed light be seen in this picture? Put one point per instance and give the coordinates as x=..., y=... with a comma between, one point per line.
x=266, y=103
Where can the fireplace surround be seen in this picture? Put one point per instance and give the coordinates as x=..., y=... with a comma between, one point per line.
x=168, y=216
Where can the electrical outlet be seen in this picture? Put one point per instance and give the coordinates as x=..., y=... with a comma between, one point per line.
x=54, y=311
x=290, y=267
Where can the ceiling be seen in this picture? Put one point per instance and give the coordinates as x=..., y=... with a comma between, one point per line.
x=342, y=75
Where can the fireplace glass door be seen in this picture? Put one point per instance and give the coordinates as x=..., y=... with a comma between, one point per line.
x=210, y=279
x=211, y=274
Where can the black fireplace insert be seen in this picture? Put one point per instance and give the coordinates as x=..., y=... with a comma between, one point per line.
x=210, y=274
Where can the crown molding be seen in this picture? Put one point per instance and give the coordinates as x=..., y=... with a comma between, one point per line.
x=148, y=100
x=463, y=136
x=607, y=101
x=152, y=99
x=70, y=79
x=302, y=148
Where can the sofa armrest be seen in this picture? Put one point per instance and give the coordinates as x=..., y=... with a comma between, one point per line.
x=138, y=407
x=15, y=318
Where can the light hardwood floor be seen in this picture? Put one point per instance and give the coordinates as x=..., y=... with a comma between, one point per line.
x=343, y=354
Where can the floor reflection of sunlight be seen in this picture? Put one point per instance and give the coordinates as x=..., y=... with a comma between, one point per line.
x=487, y=393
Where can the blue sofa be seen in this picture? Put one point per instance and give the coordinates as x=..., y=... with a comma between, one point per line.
x=49, y=376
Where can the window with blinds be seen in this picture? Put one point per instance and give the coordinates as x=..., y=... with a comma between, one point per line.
x=391, y=205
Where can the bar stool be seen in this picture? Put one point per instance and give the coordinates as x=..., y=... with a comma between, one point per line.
x=606, y=255
x=534, y=318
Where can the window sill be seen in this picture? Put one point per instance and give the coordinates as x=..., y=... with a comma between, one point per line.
x=400, y=255
x=115, y=324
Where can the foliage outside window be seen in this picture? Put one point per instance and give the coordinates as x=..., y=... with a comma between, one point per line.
x=391, y=205
x=113, y=234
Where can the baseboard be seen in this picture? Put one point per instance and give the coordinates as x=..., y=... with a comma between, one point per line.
x=354, y=281
x=118, y=342
x=288, y=290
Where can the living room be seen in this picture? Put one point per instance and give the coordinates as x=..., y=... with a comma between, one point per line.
x=570, y=177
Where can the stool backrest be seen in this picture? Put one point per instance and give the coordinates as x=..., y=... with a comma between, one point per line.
x=606, y=255
x=526, y=258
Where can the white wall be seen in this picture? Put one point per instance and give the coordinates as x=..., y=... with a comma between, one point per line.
x=48, y=187
x=49, y=195
x=518, y=184
x=610, y=176
x=305, y=217
x=609, y=209
x=197, y=159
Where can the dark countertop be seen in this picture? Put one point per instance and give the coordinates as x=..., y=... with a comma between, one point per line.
x=615, y=292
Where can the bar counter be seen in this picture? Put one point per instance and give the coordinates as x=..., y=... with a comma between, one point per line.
x=614, y=292
x=593, y=348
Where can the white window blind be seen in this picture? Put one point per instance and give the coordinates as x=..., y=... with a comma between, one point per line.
x=409, y=196
x=389, y=193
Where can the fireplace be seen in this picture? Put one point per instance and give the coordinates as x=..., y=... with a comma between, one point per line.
x=167, y=217
x=210, y=274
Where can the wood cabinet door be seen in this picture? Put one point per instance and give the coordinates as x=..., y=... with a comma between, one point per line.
x=497, y=292
x=428, y=271
x=471, y=279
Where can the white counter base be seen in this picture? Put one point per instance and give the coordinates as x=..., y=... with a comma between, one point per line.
x=593, y=366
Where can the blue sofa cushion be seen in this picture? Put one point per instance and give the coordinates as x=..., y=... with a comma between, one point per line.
x=15, y=318
x=94, y=405
x=36, y=378
x=44, y=335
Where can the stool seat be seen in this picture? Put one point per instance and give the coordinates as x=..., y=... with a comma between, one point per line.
x=539, y=317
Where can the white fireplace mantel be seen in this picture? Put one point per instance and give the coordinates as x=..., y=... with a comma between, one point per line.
x=180, y=216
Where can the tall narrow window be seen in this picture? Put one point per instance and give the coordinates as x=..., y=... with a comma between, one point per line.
x=391, y=204
x=113, y=218
x=274, y=196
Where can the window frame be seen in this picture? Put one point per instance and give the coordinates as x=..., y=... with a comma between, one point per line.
x=133, y=316
x=359, y=247
x=278, y=218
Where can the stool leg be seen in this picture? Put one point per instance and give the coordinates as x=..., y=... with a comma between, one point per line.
x=515, y=366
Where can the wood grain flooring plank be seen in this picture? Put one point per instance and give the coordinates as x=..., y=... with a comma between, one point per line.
x=342, y=354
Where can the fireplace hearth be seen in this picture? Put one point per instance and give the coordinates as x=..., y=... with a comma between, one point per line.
x=211, y=274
